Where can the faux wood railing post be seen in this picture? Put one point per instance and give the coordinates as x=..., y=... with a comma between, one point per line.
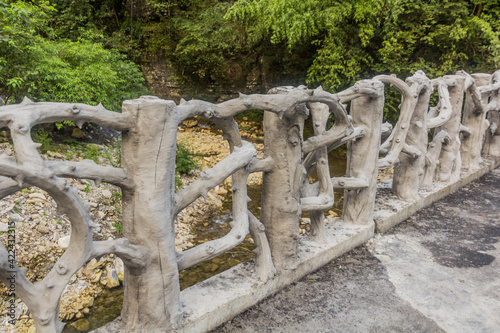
x=283, y=142
x=408, y=172
x=450, y=161
x=151, y=295
x=492, y=142
x=474, y=118
x=362, y=157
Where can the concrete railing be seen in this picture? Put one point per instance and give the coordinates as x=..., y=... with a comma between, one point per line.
x=153, y=301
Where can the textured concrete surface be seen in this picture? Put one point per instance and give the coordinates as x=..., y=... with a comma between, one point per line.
x=436, y=272
x=218, y=299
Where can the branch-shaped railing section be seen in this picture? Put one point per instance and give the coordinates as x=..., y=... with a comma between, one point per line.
x=397, y=139
x=238, y=159
x=490, y=90
x=30, y=169
x=147, y=177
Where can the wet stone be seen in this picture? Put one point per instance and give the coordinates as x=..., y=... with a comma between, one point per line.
x=81, y=325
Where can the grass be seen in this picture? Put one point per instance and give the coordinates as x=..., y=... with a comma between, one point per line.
x=71, y=149
x=118, y=227
x=185, y=161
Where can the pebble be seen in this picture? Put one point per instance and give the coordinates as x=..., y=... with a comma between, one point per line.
x=221, y=191
x=106, y=193
x=56, y=154
x=43, y=229
x=332, y=213
x=64, y=242
x=97, y=277
x=37, y=196
x=119, y=268
x=16, y=217
x=112, y=278
x=92, y=264
x=88, y=302
x=82, y=325
x=190, y=123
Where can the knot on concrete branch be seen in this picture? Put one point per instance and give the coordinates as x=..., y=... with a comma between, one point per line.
x=75, y=110
x=63, y=185
x=45, y=320
x=22, y=129
x=208, y=114
x=61, y=269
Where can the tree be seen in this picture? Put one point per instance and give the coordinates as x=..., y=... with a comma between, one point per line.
x=358, y=38
x=36, y=65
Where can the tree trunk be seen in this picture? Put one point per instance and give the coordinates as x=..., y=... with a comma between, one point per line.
x=151, y=296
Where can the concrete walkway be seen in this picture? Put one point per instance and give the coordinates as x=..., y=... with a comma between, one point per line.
x=439, y=271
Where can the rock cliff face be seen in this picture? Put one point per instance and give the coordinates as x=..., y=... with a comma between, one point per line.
x=160, y=78
x=255, y=74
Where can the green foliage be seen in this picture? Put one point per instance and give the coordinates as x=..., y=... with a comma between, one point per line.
x=71, y=149
x=117, y=197
x=178, y=181
x=16, y=209
x=118, y=227
x=87, y=189
x=184, y=163
x=358, y=39
x=253, y=115
x=289, y=21
x=205, y=43
x=43, y=137
x=185, y=160
x=34, y=64
x=91, y=153
x=19, y=22
x=82, y=72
